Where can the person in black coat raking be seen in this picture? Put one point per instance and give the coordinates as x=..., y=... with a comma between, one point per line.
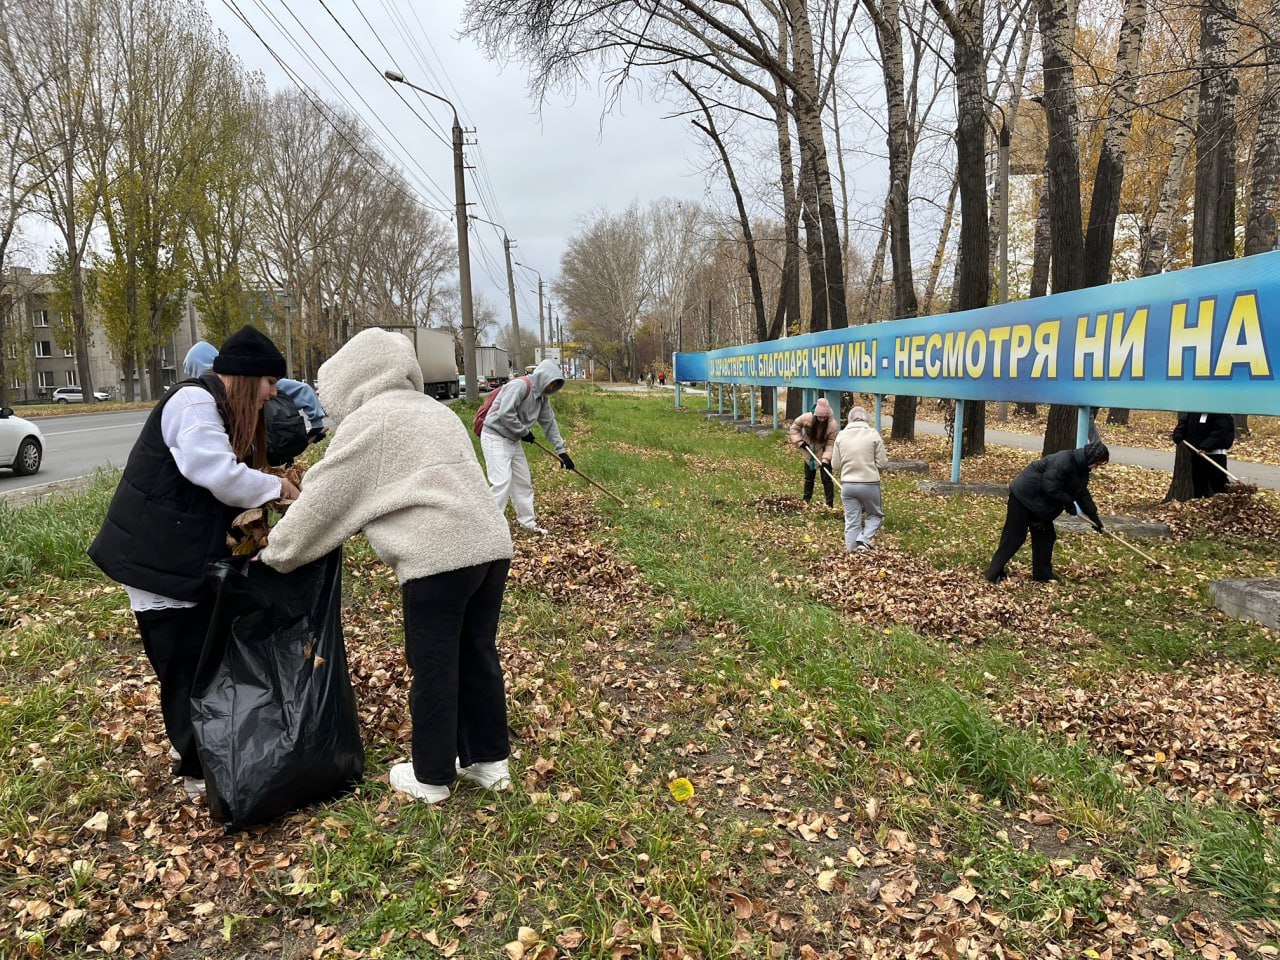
x=1212, y=434
x=1037, y=495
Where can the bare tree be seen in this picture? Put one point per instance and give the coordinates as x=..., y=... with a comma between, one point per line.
x=1260, y=233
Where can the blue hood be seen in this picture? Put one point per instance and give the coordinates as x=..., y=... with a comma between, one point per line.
x=199, y=359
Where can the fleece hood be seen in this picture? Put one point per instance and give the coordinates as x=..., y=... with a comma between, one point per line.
x=544, y=375
x=371, y=363
x=199, y=359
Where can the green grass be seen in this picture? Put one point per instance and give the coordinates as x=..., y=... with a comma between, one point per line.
x=803, y=703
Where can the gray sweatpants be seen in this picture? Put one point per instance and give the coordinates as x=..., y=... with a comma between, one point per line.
x=860, y=497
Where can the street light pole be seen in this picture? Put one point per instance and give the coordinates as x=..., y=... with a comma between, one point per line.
x=516, y=347
x=542, y=330
x=464, y=249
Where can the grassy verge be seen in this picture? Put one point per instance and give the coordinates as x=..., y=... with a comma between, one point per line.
x=869, y=778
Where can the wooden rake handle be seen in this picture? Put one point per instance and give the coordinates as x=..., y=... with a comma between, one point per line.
x=818, y=460
x=1209, y=459
x=555, y=456
x=1126, y=544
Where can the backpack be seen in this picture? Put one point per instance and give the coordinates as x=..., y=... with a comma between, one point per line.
x=286, y=430
x=478, y=423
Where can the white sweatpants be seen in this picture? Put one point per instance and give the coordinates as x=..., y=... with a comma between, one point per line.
x=509, y=477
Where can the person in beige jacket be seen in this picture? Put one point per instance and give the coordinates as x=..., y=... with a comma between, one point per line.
x=818, y=431
x=401, y=467
x=857, y=459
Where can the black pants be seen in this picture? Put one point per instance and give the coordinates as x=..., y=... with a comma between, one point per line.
x=1017, y=522
x=457, y=700
x=828, y=488
x=1206, y=479
x=173, y=640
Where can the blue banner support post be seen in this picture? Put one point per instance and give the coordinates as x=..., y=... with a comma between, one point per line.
x=734, y=388
x=833, y=398
x=707, y=385
x=879, y=405
x=720, y=388
x=1082, y=426
x=751, y=404
x=674, y=380
x=957, y=441
x=775, y=408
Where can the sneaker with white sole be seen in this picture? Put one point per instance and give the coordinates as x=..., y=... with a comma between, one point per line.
x=535, y=530
x=403, y=779
x=174, y=754
x=492, y=775
x=194, y=788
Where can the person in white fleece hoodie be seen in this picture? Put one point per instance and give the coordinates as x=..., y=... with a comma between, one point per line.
x=857, y=459
x=401, y=467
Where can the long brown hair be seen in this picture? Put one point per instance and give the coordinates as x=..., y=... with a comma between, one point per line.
x=246, y=425
x=820, y=429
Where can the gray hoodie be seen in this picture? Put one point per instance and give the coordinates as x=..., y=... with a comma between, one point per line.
x=516, y=408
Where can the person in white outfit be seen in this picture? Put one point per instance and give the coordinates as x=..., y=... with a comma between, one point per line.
x=519, y=405
x=857, y=459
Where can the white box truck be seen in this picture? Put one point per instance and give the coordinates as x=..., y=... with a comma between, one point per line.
x=493, y=365
x=435, y=357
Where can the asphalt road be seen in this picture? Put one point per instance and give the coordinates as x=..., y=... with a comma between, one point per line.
x=77, y=445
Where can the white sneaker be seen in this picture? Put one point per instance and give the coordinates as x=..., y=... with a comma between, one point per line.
x=194, y=788
x=404, y=780
x=174, y=754
x=492, y=775
x=536, y=530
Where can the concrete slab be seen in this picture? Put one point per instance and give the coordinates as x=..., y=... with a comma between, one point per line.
x=906, y=466
x=759, y=429
x=1125, y=526
x=954, y=489
x=1257, y=599
x=723, y=417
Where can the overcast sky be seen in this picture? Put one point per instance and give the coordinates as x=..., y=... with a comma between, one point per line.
x=537, y=173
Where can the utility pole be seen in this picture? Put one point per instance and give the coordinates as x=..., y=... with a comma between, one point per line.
x=516, y=363
x=542, y=326
x=464, y=249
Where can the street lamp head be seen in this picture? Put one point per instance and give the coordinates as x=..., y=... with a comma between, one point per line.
x=394, y=75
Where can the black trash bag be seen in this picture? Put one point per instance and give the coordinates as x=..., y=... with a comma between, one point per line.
x=272, y=705
x=287, y=430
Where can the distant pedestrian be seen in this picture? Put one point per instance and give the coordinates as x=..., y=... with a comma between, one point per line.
x=519, y=405
x=1213, y=435
x=401, y=468
x=662, y=379
x=816, y=430
x=857, y=458
x=198, y=462
x=1037, y=495
x=650, y=379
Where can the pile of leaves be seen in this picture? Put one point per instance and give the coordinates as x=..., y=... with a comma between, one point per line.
x=251, y=529
x=1195, y=736
x=778, y=504
x=1237, y=512
x=888, y=587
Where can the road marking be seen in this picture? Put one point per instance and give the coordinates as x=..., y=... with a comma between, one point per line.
x=118, y=426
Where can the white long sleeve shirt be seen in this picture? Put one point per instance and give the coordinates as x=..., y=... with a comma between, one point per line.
x=194, y=433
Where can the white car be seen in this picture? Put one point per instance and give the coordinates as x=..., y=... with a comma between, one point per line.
x=76, y=395
x=21, y=444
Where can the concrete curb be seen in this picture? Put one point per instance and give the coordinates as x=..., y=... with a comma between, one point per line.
x=25, y=496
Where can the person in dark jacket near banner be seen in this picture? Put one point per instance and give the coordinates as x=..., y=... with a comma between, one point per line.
x=1037, y=495
x=817, y=431
x=196, y=464
x=1212, y=434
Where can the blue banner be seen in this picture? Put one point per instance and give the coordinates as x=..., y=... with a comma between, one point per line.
x=1198, y=339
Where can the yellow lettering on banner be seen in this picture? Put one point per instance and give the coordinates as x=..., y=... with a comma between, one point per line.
x=975, y=354
x=901, y=356
x=1128, y=342
x=917, y=356
x=1197, y=337
x=1243, y=343
x=1019, y=346
x=932, y=365
x=953, y=355
x=1087, y=344
x=1046, y=347
x=997, y=336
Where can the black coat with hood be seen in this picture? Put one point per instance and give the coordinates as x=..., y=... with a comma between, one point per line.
x=1206, y=431
x=1055, y=483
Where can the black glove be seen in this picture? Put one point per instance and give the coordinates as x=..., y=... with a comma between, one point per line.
x=566, y=461
x=528, y=437
x=1097, y=522
x=826, y=465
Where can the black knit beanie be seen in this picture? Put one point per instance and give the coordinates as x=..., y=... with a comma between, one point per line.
x=1096, y=452
x=249, y=353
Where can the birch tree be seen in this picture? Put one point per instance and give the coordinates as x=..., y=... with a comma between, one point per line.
x=1260, y=234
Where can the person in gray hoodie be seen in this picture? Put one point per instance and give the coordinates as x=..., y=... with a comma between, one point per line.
x=402, y=468
x=519, y=405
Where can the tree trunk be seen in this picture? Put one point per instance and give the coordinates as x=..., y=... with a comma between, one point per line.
x=818, y=317
x=1261, y=233
x=1154, y=250
x=1118, y=416
x=939, y=253
x=904, y=418
x=787, y=315
x=1057, y=33
x=1180, y=487
x=1213, y=221
x=1099, y=242
x=875, y=274
x=1042, y=249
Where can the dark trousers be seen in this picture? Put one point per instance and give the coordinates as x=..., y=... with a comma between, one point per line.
x=828, y=488
x=1017, y=522
x=1206, y=479
x=457, y=700
x=173, y=640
